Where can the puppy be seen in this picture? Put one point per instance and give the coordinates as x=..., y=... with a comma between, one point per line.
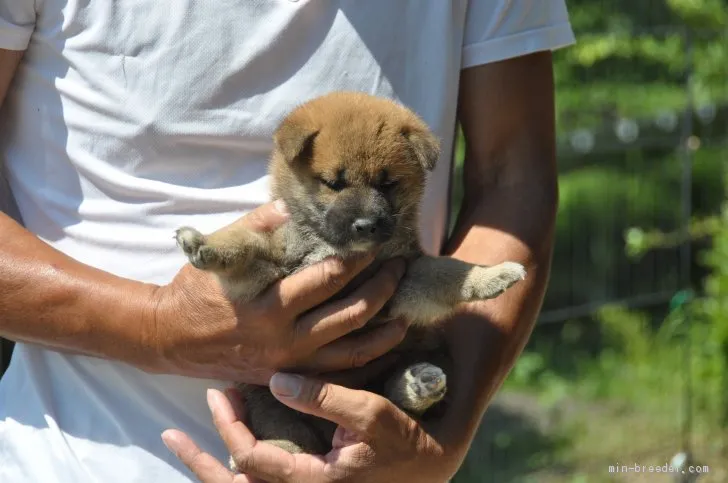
x=351, y=168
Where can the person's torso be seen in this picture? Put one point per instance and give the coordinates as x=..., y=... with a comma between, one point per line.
x=130, y=118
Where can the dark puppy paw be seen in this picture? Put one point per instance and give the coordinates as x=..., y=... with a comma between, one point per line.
x=426, y=384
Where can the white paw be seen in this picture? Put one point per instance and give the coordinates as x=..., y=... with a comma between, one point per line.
x=513, y=271
x=487, y=283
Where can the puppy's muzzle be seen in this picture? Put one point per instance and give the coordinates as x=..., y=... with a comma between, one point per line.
x=359, y=219
x=370, y=229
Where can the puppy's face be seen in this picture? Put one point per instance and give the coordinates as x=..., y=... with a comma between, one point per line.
x=352, y=169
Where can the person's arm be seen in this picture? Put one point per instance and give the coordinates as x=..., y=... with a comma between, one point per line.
x=9, y=61
x=506, y=110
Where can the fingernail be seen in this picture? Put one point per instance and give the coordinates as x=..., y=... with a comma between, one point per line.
x=281, y=207
x=286, y=385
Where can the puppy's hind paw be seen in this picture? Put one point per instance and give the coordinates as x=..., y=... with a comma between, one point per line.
x=489, y=282
x=426, y=386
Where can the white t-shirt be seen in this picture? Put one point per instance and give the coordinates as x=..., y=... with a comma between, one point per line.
x=129, y=118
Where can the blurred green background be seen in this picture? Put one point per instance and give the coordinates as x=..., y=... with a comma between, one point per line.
x=625, y=366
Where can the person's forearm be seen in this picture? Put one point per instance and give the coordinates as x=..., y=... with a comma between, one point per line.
x=51, y=300
x=511, y=223
x=506, y=110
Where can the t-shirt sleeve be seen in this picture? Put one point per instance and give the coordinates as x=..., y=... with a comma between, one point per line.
x=501, y=29
x=17, y=21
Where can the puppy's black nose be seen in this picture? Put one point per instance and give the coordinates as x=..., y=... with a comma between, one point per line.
x=364, y=226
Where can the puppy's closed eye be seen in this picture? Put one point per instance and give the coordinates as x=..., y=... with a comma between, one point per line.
x=384, y=182
x=387, y=185
x=336, y=185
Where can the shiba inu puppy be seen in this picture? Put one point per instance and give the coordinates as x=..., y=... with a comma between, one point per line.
x=351, y=169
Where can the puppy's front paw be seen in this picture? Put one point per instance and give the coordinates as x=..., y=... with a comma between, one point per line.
x=489, y=282
x=192, y=243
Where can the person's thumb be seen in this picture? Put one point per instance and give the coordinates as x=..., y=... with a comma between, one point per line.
x=364, y=413
x=266, y=217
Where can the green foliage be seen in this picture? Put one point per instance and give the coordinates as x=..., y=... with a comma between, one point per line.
x=691, y=341
x=701, y=13
x=641, y=61
x=640, y=241
x=711, y=331
x=632, y=59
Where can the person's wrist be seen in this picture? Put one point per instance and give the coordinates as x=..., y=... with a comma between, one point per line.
x=144, y=351
x=162, y=312
x=163, y=318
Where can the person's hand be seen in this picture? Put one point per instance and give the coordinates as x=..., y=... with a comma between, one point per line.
x=197, y=331
x=374, y=441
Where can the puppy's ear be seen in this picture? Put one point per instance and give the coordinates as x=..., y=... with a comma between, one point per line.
x=294, y=138
x=424, y=144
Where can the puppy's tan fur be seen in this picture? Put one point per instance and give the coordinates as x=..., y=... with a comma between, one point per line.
x=339, y=151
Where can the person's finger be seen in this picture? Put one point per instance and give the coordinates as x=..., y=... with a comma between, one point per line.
x=375, y=419
x=265, y=218
x=344, y=437
x=252, y=458
x=314, y=284
x=358, y=377
x=205, y=467
x=357, y=350
x=334, y=320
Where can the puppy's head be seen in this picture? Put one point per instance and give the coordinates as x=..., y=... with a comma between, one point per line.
x=352, y=168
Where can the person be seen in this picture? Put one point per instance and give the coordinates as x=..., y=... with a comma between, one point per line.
x=122, y=121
